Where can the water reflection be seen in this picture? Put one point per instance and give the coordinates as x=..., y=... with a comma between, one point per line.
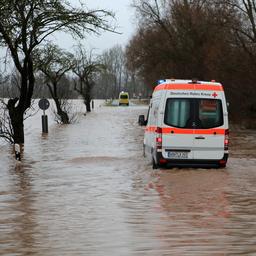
x=196, y=210
x=18, y=224
x=194, y=191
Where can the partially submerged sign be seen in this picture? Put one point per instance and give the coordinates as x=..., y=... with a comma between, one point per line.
x=43, y=104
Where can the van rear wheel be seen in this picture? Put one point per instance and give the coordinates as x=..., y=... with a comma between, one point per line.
x=144, y=150
x=157, y=165
x=154, y=164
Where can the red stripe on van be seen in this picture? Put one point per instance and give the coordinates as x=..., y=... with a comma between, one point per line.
x=167, y=130
x=201, y=87
x=150, y=129
x=193, y=131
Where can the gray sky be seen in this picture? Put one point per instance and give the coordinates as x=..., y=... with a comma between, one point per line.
x=124, y=15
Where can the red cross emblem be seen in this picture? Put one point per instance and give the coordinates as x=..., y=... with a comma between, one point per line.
x=214, y=94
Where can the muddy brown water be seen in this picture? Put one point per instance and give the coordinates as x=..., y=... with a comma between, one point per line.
x=85, y=189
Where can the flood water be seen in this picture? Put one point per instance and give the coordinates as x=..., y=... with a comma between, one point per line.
x=85, y=189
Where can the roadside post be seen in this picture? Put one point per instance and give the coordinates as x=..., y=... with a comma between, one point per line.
x=44, y=105
x=17, y=151
x=140, y=94
x=92, y=104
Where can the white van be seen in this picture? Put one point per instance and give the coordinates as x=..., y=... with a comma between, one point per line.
x=187, y=124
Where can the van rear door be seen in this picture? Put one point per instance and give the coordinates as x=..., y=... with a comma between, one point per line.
x=208, y=134
x=193, y=129
x=177, y=141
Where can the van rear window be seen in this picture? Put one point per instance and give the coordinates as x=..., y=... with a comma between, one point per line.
x=124, y=96
x=193, y=113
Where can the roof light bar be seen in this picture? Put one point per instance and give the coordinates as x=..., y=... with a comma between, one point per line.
x=161, y=81
x=194, y=81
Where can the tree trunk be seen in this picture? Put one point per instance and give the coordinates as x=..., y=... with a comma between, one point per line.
x=16, y=116
x=88, y=103
x=88, y=98
x=18, y=106
x=63, y=115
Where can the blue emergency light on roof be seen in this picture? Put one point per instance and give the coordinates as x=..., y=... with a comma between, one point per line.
x=161, y=81
x=194, y=81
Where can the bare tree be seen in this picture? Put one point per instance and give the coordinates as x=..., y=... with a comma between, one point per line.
x=114, y=63
x=207, y=39
x=177, y=38
x=54, y=63
x=86, y=68
x=244, y=26
x=6, y=131
x=155, y=12
x=67, y=107
x=26, y=24
x=117, y=75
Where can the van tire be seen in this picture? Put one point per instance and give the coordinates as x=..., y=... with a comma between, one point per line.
x=154, y=164
x=144, y=150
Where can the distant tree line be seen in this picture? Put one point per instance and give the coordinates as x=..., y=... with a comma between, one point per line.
x=81, y=73
x=203, y=39
x=116, y=77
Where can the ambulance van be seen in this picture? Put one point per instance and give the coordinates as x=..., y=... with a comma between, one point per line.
x=187, y=124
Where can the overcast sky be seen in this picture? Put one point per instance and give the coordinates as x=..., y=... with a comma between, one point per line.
x=124, y=15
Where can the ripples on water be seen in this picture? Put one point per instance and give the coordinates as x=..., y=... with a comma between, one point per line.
x=85, y=189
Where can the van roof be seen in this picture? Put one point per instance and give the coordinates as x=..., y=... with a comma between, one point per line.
x=178, y=84
x=184, y=81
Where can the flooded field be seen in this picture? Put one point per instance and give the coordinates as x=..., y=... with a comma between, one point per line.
x=85, y=189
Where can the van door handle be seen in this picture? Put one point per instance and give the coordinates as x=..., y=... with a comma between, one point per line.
x=200, y=138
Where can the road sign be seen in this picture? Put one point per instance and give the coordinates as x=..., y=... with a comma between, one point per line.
x=43, y=104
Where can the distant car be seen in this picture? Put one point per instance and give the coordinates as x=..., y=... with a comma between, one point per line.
x=124, y=98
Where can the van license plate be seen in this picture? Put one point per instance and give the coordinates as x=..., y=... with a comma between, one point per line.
x=178, y=155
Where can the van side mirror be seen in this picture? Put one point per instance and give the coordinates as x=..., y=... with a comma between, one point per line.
x=142, y=120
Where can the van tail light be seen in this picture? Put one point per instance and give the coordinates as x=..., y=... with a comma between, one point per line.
x=223, y=163
x=226, y=139
x=162, y=161
x=159, y=138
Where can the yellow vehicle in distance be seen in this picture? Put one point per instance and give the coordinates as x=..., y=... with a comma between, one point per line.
x=124, y=98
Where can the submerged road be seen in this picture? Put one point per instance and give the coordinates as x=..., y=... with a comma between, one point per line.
x=85, y=189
